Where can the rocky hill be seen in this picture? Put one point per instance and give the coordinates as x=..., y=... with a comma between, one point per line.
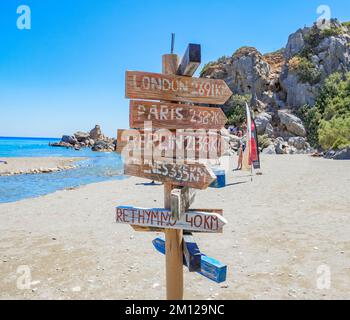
x=282, y=82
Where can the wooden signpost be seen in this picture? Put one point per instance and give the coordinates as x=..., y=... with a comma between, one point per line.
x=194, y=175
x=159, y=229
x=170, y=87
x=176, y=92
x=163, y=143
x=161, y=218
x=175, y=116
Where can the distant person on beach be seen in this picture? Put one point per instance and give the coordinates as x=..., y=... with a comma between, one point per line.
x=241, y=150
x=240, y=157
x=244, y=126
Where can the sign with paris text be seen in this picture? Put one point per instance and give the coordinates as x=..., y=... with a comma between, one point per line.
x=156, y=86
x=175, y=116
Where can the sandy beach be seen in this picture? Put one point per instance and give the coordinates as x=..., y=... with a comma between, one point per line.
x=13, y=166
x=283, y=226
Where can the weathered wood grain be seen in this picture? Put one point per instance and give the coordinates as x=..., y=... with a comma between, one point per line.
x=175, y=116
x=190, y=61
x=161, y=218
x=156, y=229
x=194, y=175
x=184, y=144
x=155, y=86
x=181, y=200
x=173, y=244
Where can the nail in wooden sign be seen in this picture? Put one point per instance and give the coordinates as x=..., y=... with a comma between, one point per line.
x=196, y=221
x=194, y=175
x=155, y=86
x=175, y=116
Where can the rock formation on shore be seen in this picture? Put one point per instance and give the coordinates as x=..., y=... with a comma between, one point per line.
x=37, y=165
x=37, y=170
x=94, y=139
x=280, y=83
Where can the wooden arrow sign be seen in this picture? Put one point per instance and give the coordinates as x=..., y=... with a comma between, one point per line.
x=192, y=253
x=155, y=86
x=159, y=230
x=210, y=268
x=194, y=175
x=175, y=116
x=190, y=145
x=192, y=221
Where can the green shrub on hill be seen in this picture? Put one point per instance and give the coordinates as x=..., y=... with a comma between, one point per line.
x=236, y=113
x=328, y=122
x=334, y=100
x=206, y=67
x=311, y=119
x=212, y=63
x=335, y=134
x=331, y=32
x=264, y=141
x=346, y=24
x=305, y=69
x=316, y=35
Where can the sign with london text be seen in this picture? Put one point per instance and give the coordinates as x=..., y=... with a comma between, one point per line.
x=155, y=86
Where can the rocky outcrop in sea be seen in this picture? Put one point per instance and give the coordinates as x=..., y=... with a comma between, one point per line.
x=94, y=139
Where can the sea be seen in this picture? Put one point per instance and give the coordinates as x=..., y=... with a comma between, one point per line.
x=96, y=167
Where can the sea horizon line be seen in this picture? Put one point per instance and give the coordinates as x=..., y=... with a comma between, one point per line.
x=35, y=138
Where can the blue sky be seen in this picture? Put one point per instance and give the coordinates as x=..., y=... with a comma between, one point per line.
x=67, y=72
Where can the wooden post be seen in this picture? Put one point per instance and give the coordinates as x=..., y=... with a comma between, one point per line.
x=173, y=238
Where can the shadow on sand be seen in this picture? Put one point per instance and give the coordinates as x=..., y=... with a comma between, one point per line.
x=149, y=184
x=236, y=183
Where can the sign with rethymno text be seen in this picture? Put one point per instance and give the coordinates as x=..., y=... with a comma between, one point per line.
x=161, y=218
